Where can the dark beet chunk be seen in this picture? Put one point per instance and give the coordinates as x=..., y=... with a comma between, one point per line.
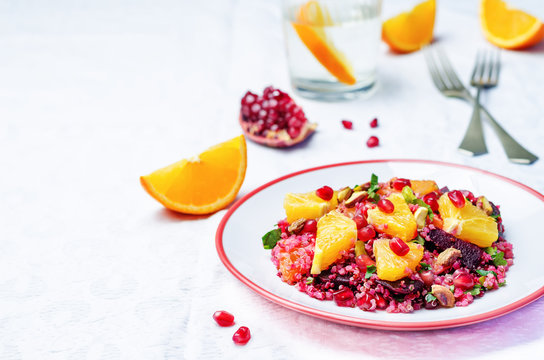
x=496, y=211
x=441, y=240
x=402, y=287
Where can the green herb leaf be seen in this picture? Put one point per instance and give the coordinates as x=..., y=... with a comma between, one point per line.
x=430, y=297
x=485, y=272
x=498, y=259
x=374, y=186
x=271, y=238
x=475, y=290
x=371, y=269
x=425, y=266
x=490, y=250
x=309, y=280
x=419, y=240
x=495, y=216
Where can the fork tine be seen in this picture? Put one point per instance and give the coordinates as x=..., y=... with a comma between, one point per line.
x=475, y=70
x=448, y=69
x=435, y=75
x=482, y=66
x=497, y=68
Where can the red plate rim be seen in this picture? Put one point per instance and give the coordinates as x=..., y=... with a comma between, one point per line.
x=354, y=321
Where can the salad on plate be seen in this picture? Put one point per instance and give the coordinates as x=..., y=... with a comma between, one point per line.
x=395, y=246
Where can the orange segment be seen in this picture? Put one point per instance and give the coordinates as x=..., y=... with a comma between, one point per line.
x=203, y=184
x=509, y=28
x=469, y=223
x=310, y=28
x=335, y=233
x=423, y=187
x=410, y=31
x=307, y=206
x=390, y=266
x=400, y=223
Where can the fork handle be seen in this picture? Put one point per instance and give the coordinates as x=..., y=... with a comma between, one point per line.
x=514, y=151
x=473, y=142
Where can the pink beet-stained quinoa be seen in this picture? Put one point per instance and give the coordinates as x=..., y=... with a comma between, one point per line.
x=352, y=281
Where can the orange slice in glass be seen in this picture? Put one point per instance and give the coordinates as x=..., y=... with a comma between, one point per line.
x=509, y=28
x=202, y=184
x=310, y=25
x=410, y=31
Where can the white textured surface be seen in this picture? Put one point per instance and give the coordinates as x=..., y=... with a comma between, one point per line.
x=94, y=94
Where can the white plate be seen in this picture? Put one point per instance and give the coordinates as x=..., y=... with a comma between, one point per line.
x=238, y=241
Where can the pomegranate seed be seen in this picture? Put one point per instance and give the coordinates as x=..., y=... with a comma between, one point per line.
x=380, y=302
x=223, y=318
x=347, y=124
x=386, y=206
x=363, y=261
x=374, y=123
x=399, y=184
x=457, y=198
x=366, y=233
x=427, y=277
x=343, y=297
x=372, y=141
x=365, y=302
x=325, y=192
x=273, y=111
x=431, y=200
x=463, y=280
x=310, y=226
x=399, y=247
x=241, y=336
x=469, y=195
x=360, y=221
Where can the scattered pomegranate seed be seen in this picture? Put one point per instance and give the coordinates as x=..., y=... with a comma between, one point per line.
x=310, y=226
x=360, y=221
x=241, y=336
x=347, y=124
x=374, y=123
x=325, y=192
x=399, y=247
x=427, y=277
x=273, y=111
x=372, y=141
x=469, y=195
x=431, y=200
x=366, y=233
x=367, y=302
x=457, y=198
x=343, y=297
x=399, y=184
x=380, y=302
x=386, y=206
x=363, y=261
x=463, y=280
x=223, y=318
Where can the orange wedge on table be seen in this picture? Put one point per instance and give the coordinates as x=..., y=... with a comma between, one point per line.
x=202, y=184
x=410, y=31
x=310, y=24
x=509, y=28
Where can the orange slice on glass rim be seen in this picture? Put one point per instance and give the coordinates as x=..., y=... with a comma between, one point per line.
x=410, y=31
x=202, y=184
x=509, y=28
x=310, y=24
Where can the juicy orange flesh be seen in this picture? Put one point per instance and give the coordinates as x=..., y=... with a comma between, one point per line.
x=400, y=223
x=203, y=184
x=390, y=266
x=469, y=223
x=335, y=233
x=309, y=26
x=411, y=30
x=504, y=22
x=423, y=187
x=199, y=177
x=307, y=206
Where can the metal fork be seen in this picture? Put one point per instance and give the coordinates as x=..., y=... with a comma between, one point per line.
x=448, y=83
x=484, y=76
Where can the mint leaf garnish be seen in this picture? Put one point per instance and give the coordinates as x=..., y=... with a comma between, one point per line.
x=485, y=272
x=271, y=238
x=430, y=297
x=425, y=266
x=370, y=269
x=374, y=186
x=498, y=259
x=419, y=240
x=475, y=290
